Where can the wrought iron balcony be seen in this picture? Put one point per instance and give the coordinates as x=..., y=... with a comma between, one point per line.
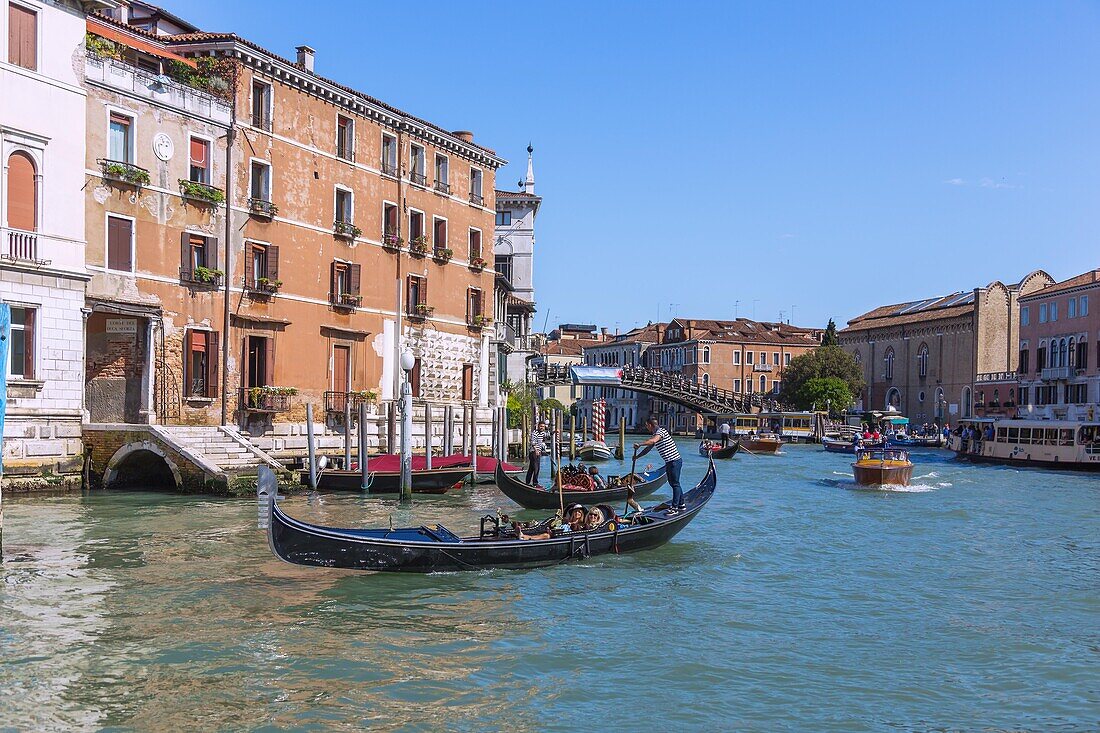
x=123, y=172
x=389, y=169
x=265, y=399
x=336, y=401
x=477, y=198
x=442, y=187
x=418, y=178
x=345, y=230
x=261, y=121
x=345, y=300
x=262, y=208
x=419, y=246
x=201, y=192
x=420, y=311
x=344, y=151
x=442, y=254
x=203, y=276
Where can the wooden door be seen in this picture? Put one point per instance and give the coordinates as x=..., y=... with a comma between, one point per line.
x=341, y=369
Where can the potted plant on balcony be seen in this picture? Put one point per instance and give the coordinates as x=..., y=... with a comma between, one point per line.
x=201, y=192
x=267, y=285
x=478, y=263
x=480, y=321
x=348, y=300
x=423, y=310
x=262, y=208
x=443, y=254
x=390, y=240
x=206, y=275
x=346, y=230
x=419, y=245
x=117, y=170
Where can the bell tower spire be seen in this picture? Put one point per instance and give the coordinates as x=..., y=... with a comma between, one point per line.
x=529, y=182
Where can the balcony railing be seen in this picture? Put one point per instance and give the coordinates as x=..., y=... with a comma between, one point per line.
x=204, y=276
x=477, y=198
x=345, y=300
x=344, y=151
x=478, y=322
x=335, y=401
x=419, y=246
x=123, y=172
x=265, y=399
x=478, y=263
x=392, y=241
x=171, y=93
x=442, y=254
x=762, y=367
x=997, y=377
x=1054, y=373
x=418, y=178
x=262, y=121
x=263, y=286
x=262, y=208
x=345, y=230
x=420, y=311
x=35, y=249
x=389, y=169
x=443, y=187
x=201, y=192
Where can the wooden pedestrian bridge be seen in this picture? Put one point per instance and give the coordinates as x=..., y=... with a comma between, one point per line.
x=702, y=398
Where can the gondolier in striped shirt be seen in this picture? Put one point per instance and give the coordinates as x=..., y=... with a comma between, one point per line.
x=666, y=447
x=534, y=456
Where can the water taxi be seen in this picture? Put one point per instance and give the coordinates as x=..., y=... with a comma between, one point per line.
x=882, y=466
x=1069, y=444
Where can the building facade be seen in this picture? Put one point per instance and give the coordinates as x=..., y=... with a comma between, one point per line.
x=514, y=252
x=925, y=358
x=294, y=236
x=745, y=356
x=1059, y=351
x=42, y=237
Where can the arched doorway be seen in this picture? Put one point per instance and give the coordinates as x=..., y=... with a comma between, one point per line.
x=141, y=466
x=22, y=192
x=893, y=398
x=966, y=402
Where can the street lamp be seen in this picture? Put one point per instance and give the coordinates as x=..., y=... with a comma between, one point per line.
x=404, y=407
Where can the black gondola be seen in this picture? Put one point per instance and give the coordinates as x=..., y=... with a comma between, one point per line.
x=534, y=497
x=435, y=481
x=719, y=452
x=428, y=549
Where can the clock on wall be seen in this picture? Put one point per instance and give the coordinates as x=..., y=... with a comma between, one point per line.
x=162, y=146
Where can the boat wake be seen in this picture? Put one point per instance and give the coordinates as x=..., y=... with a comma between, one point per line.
x=923, y=486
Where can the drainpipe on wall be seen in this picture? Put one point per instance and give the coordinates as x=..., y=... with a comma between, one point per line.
x=227, y=247
x=397, y=319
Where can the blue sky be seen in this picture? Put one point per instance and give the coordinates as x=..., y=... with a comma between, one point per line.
x=713, y=158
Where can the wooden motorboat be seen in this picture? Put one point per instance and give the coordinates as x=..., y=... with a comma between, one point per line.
x=594, y=450
x=536, y=497
x=914, y=441
x=882, y=466
x=498, y=545
x=769, y=444
x=435, y=481
x=837, y=444
x=716, y=450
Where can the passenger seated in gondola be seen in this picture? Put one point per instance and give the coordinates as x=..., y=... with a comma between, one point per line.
x=574, y=518
x=594, y=519
x=597, y=479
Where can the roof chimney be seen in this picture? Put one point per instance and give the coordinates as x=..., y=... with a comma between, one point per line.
x=464, y=135
x=305, y=58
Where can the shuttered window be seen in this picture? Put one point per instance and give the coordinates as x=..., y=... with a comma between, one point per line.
x=199, y=259
x=467, y=382
x=22, y=193
x=200, y=366
x=475, y=244
x=120, y=239
x=263, y=264
x=22, y=37
x=345, y=281
x=200, y=161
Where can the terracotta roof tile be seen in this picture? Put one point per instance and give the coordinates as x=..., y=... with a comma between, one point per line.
x=1087, y=278
x=867, y=322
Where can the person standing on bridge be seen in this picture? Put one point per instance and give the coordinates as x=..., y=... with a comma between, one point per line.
x=666, y=447
x=724, y=431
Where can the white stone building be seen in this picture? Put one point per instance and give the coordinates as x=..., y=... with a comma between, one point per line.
x=42, y=236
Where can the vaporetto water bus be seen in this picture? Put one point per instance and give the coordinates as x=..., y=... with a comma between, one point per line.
x=1063, y=444
x=792, y=427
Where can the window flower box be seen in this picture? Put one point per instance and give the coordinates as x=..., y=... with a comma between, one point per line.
x=480, y=321
x=128, y=173
x=346, y=230
x=478, y=263
x=391, y=241
x=264, y=286
x=442, y=254
x=421, y=311
x=262, y=208
x=266, y=399
x=419, y=246
x=347, y=300
x=203, y=276
x=201, y=192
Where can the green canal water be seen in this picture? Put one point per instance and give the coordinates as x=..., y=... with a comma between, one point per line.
x=795, y=602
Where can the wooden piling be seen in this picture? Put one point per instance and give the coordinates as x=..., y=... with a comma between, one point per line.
x=364, y=476
x=391, y=427
x=448, y=430
x=621, y=452
x=572, y=437
x=311, y=447
x=428, y=437
x=347, y=433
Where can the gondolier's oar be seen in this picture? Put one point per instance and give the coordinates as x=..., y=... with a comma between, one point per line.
x=557, y=454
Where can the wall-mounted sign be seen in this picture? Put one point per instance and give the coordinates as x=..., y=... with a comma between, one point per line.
x=122, y=325
x=163, y=146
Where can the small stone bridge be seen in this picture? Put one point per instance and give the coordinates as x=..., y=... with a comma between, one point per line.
x=669, y=387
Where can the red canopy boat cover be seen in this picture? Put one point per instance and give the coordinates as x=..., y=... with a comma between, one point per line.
x=388, y=462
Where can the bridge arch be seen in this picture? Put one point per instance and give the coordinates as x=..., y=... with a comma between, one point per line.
x=141, y=465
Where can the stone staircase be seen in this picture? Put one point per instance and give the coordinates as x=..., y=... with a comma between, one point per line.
x=220, y=449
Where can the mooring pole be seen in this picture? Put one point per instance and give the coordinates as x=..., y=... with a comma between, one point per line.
x=448, y=430
x=572, y=438
x=5, y=334
x=622, y=438
x=311, y=447
x=391, y=426
x=504, y=432
x=407, y=364
x=347, y=433
x=428, y=436
x=364, y=478
x=473, y=444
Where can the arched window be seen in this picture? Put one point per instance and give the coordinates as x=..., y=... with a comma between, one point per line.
x=889, y=359
x=22, y=192
x=893, y=398
x=922, y=361
x=966, y=401
x=763, y=383
x=706, y=379
x=996, y=397
x=706, y=355
x=1062, y=353
x=1072, y=354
